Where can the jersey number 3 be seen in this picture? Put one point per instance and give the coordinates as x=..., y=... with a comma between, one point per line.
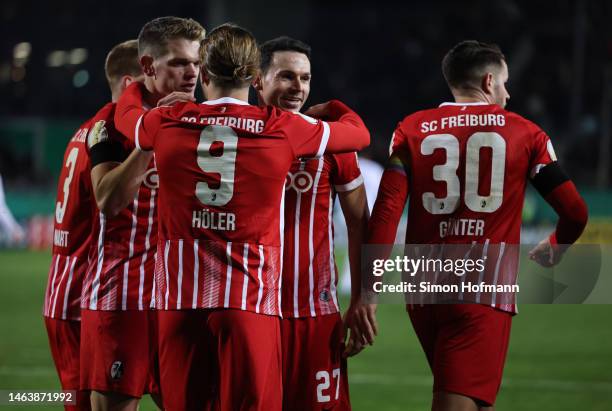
x=221, y=160
x=447, y=172
x=60, y=207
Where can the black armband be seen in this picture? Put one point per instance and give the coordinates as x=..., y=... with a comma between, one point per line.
x=548, y=178
x=106, y=151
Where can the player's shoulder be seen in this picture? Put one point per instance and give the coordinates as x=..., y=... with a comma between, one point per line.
x=106, y=113
x=102, y=126
x=517, y=120
x=412, y=121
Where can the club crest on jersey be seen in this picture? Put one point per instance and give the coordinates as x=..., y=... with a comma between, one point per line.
x=300, y=181
x=151, y=179
x=324, y=296
x=97, y=134
x=116, y=370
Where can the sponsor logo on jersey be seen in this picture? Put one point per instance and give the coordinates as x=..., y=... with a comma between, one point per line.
x=116, y=370
x=97, y=134
x=151, y=179
x=300, y=181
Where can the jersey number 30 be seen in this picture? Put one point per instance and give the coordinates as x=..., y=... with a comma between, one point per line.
x=447, y=172
x=223, y=164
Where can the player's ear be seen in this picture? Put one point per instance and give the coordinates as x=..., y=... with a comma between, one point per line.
x=257, y=83
x=126, y=81
x=487, y=83
x=204, y=78
x=146, y=62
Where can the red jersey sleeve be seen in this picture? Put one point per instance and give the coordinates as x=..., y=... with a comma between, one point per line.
x=392, y=193
x=133, y=121
x=399, y=152
x=310, y=137
x=346, y=175
x=307, y=136
x=542, y=152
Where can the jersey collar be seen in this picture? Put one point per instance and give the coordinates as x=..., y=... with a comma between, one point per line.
x=475, y=103
x=226, y=100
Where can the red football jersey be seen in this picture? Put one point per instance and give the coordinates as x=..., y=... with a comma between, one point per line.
x=309, y=270
x=222, y=167
x=123, y=253
x=467, y=165
x=71, y=231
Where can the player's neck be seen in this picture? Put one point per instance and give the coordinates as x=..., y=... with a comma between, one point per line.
x=476, y=96
x=150, y=96
x=214, y=93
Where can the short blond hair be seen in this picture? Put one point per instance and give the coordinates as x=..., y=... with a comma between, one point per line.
x=154, y=35
x=230, y=56
x=121, y=61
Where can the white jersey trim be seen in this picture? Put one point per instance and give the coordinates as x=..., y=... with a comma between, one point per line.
x=93, y=299
x=67, y=292
x=245, y=284
x=350, y=186
x=324, y=140
x=259, y=272
x=313, y=202
x=179, y=296
x=228, y=274
x=196, y=274
x=473, y=103
x=226, y=100
x=136, y=134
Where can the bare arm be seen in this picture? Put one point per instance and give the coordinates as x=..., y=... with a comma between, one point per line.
x=360, y=318
x=116, y=184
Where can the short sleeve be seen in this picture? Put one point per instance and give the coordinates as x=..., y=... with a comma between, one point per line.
x=146, y=128
x=346, y=175
x=307, y=136
x=542, y=152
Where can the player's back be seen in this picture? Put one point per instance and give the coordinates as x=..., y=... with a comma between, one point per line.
x=71, y=230
x=222, y=172
x=468, y=165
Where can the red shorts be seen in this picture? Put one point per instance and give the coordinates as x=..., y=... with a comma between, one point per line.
x=64, y=340
x=119, y=352
x=314, y=372
x=220, y=359
x=466, y=347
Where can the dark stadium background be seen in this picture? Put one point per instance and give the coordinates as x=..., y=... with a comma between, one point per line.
x=383, y=59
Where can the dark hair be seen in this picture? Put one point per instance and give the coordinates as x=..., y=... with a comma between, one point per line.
x=121, y=61
x=154, y=35
x=282, y=43
x=230, y=56
x=466, y=63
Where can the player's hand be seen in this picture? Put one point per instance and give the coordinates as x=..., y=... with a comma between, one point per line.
x=546, y=254
x=360, y=318
x=321, y=111
x=353, y=346
x=175, y=97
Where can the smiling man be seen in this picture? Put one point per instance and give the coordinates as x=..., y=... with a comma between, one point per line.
x=312, y=330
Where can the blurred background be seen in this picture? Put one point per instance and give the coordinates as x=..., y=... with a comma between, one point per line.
x=383, y=59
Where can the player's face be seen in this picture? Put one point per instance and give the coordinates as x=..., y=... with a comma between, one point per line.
x=500, y=94
x=286, y=83
x=178, y=68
